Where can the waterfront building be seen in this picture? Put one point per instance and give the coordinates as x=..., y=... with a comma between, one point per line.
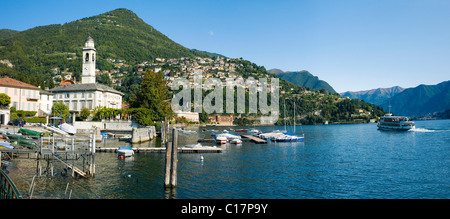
x=88, y=94
x=190, y=116
x=221, y=120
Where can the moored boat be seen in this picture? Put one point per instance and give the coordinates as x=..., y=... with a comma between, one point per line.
x=236, y=141
x=399, y=123
x=125, y=138
x=241, y=130
x=125, y=151
x=221, y=140
x=68, y=128
x=5, y=145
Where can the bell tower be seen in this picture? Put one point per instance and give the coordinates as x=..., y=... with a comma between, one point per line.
x=89, y=56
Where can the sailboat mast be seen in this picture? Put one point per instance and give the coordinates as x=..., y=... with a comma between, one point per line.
x=294, y=117
x=285, y=115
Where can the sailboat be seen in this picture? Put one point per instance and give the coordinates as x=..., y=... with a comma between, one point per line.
x=288, y=137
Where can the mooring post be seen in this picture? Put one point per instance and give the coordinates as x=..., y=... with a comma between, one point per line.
x=168, y=164
x=174, y=157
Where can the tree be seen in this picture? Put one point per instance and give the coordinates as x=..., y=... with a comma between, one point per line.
x=5, y=100
x=153, y=95
x=85, y=113
x=60, y=109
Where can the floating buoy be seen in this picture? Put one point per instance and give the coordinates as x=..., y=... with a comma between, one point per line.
x=201, y=157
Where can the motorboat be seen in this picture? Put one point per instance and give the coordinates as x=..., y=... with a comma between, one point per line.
x=241, y=130
x=236, y=141
x=125, y=138
x=221, y=140
x=400, y=123
x=125, y=151
x=254, y=132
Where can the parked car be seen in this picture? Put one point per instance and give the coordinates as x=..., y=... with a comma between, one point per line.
x=16, y=122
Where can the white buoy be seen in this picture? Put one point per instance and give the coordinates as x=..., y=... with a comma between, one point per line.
x=201, y=157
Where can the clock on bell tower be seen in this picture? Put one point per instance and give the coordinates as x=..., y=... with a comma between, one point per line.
x=89, y=53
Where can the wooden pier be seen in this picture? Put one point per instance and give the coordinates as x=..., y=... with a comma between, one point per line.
x=255, y=139
x=163, y=150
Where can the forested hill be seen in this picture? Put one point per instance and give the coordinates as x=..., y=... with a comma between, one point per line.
x=118, y=34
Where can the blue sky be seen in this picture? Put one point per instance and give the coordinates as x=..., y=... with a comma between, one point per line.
x=351, y=44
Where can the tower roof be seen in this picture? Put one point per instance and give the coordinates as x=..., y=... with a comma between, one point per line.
x=89, y=39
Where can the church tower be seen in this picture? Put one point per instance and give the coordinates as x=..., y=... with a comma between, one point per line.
x=89, y=55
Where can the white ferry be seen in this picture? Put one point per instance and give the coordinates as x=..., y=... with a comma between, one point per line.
x=390, y=122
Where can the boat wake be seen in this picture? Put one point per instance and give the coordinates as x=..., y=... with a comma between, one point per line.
x=421, y=130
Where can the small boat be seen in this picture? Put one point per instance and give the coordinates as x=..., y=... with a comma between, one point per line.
x=68, y=128
x=288, y=138
x=5, y=145
x=399, y=123
x=125, y=138
x=221, y=140
x=241, y=130
x=29, y=132
x=254, y=132
x=236, y=141
x=228, y=135
x=125, y=151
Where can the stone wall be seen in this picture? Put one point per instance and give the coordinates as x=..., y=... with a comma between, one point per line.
x=143, y=134
x=108, y=125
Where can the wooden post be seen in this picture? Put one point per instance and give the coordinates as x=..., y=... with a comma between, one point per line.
x=168, y=164
x=174, y=157
x=171, y=161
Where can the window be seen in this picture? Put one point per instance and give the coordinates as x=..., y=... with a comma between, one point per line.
x=67, y=95
x=6, y=90
x=15, y=91
x=93, y=57
x=87, y=57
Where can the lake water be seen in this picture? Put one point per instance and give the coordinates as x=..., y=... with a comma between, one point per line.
x=334, y=161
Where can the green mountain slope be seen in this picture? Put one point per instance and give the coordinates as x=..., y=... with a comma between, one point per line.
x=118, y=34
x=421, y=100
x=6, y=34
x=304, y=79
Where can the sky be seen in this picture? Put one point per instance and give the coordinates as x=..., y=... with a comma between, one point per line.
x=351, y=44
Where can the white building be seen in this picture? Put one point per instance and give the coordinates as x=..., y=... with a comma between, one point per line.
x=45, y=102
x=88, y=94
x=190, y=116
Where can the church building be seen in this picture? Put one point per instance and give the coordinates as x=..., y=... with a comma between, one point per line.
x=88, y=94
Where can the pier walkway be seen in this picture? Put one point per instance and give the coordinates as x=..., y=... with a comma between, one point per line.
x=255, y=139
x=163, y=150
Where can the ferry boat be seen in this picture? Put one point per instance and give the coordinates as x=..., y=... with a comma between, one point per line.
x=400, y=123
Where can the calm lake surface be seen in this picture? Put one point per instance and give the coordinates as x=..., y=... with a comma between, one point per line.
x=334, y=161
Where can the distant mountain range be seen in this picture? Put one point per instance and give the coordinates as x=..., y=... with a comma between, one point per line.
x=422, y=100
x=303, y=79
x=375, y=96
x=419, y=101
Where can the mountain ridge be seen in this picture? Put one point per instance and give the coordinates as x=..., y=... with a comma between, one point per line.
x=376, y=96
x=303, y=79
x=118, y=34
x=422, y=100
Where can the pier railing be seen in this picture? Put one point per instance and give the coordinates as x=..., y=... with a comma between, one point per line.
x=7, y=188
